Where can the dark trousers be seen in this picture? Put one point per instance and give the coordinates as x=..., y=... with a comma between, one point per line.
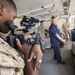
x=57, y=55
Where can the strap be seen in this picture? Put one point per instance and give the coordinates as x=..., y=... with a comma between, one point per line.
x=31, y=50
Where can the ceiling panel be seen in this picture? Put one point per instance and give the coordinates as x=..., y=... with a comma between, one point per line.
x=72, y=7
x=35, y=7
x=25, y=6
x=65, y=0
x=59, y=5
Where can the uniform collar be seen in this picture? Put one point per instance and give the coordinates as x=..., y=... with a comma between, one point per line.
x=53, y=24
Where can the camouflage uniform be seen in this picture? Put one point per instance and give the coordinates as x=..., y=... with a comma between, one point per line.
x=67, y=30
x=10, y=61
x=43, y=42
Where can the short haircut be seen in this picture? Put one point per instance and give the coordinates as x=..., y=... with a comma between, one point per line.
x=53, y=17
x=9, y=4
x=41, y=21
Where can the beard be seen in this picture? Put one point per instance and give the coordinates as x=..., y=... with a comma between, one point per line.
x=4, y=29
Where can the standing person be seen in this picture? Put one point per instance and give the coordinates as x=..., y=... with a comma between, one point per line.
x=41, y=33
x=11, y=63
x=56, y=39
x=67, y=29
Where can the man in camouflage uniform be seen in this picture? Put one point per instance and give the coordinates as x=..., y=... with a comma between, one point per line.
x=11, y=62
x=41, y=32
x=67, y=30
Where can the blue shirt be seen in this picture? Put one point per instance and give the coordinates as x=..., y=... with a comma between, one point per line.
x=53, y=30
x=73, y=35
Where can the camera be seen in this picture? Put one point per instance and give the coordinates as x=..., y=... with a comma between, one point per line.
x=27, y=23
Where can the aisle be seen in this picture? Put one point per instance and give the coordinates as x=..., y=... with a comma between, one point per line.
x=51, y=67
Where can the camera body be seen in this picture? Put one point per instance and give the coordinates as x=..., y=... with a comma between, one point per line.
x=30, y=41
x=27, y=22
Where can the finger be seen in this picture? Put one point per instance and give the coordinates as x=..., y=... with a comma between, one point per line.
x=30, y=56
x=39, y=62
x=36, y=64
x=18, y=43
x=38, y=58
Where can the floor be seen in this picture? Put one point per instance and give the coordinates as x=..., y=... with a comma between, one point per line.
x=51, y=67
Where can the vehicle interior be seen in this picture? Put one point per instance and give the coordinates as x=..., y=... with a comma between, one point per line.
x=44, y=10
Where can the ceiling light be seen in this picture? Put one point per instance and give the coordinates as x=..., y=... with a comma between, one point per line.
x=43, y=7
x=48, y=6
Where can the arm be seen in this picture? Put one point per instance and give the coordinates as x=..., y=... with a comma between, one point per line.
x=62, y=33
x=32, y=66
x=29, y=67
x=39, y=32
x=54, y=32
x=40, y=35
x=62, y=40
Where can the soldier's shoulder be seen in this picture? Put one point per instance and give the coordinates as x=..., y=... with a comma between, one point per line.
x=9, y=56
x=39, y=28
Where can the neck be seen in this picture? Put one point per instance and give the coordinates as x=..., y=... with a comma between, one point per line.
x=54, y=24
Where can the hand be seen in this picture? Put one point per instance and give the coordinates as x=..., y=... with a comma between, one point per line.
x=37, y=51
x=64, y=41
x=62, y=33
x=25, y=49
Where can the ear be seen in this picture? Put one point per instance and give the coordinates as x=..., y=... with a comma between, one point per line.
x=1, y=9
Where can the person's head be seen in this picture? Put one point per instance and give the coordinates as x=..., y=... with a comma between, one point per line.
x=8, y=11
x=54, y=20
x=42, y=23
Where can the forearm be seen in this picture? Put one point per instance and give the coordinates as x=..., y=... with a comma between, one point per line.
x=62, y=40
x=40, y=35
x=29, y=68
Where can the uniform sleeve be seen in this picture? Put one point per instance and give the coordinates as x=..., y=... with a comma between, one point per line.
x=53, y=30
x=39, y=28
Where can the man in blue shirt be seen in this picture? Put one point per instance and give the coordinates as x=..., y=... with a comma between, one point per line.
x=56, y=39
